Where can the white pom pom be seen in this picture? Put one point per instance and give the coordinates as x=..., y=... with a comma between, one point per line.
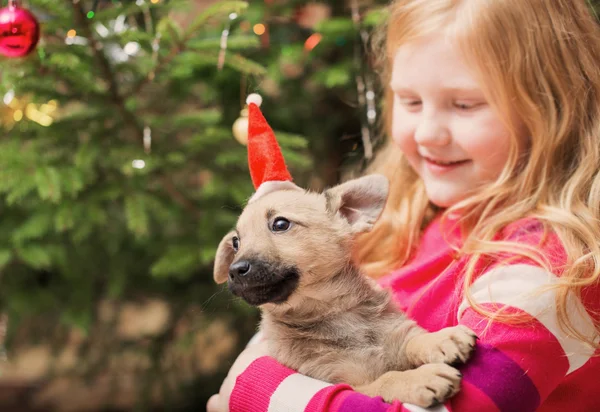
x=254, y=98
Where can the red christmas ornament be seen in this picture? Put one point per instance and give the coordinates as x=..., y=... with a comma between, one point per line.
x=19, y=31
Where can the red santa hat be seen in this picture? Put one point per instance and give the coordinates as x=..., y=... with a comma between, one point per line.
x=265, y=159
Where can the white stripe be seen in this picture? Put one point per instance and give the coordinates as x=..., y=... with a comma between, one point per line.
x=516, y=286
x=294, y=393
x=415, y=408
x=258, y=337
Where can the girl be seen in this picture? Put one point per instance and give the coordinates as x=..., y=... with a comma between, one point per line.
x=493, y=219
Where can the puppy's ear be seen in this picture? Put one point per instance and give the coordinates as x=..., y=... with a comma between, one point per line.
x=359, y=201
x=223, y=258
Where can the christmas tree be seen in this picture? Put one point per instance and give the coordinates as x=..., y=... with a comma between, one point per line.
x=119, y=174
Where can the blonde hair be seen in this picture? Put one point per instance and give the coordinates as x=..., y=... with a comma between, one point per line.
x=537, y=58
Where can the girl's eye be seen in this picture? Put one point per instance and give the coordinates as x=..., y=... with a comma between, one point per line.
x=281, y=224
x=410, y=102
x=466, y=105
x=235, y=243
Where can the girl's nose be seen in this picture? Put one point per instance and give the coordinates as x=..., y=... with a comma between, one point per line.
x=432, y=131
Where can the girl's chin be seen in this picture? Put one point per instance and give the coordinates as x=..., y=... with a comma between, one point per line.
x=444, y=197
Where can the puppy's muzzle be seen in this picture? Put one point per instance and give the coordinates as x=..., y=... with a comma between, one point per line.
x=259, y=281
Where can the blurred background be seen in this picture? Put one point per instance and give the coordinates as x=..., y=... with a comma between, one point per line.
x=122, y=165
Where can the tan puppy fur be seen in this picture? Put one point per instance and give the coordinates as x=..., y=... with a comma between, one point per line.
x=321, y=316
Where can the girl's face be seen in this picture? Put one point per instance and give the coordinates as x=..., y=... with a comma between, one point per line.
x=443, y=123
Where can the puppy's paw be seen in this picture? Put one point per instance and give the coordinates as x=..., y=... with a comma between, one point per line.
x=452, y=345
x=434, y=384
x=431, y=385
x=426, y=386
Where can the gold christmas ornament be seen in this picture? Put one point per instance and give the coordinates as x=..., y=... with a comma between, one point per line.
x=15, y=109
x=240, y=127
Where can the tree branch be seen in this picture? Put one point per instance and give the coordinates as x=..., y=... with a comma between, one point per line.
x=106, y=71
x=178, y=197
x=119, y=101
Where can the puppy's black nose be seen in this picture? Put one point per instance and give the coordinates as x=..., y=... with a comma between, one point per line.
x=240, y=268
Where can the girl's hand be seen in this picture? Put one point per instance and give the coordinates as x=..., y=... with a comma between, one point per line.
x=220, y=401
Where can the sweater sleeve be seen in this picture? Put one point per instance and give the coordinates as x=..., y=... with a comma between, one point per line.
x=269, y=386
x=517, y=366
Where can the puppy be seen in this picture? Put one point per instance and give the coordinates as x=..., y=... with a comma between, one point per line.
x=290, y=255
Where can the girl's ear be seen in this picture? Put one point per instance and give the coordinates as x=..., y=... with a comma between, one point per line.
x=359, y=201
x=223, y=258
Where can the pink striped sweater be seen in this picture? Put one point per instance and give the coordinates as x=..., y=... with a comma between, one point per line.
x=515, y=368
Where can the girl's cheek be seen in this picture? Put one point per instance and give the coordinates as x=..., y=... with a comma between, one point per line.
x=402, y=136
x=401, y=129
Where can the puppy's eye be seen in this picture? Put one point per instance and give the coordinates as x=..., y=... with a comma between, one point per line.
x=235, y=242
x=281, y=224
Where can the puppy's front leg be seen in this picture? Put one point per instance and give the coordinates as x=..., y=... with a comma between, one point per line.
x=425, y=386
x=450, y=345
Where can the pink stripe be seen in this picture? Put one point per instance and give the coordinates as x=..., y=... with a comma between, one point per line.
x=329, y=398
x=531, y=346
x=265, y=373
x=470, y=398
x=508, y=386
x=359, y=402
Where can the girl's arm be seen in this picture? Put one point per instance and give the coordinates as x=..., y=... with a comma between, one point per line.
x=514, y=367
x=269, y=386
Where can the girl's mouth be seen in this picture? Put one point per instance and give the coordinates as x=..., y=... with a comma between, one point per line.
x=440, y=166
